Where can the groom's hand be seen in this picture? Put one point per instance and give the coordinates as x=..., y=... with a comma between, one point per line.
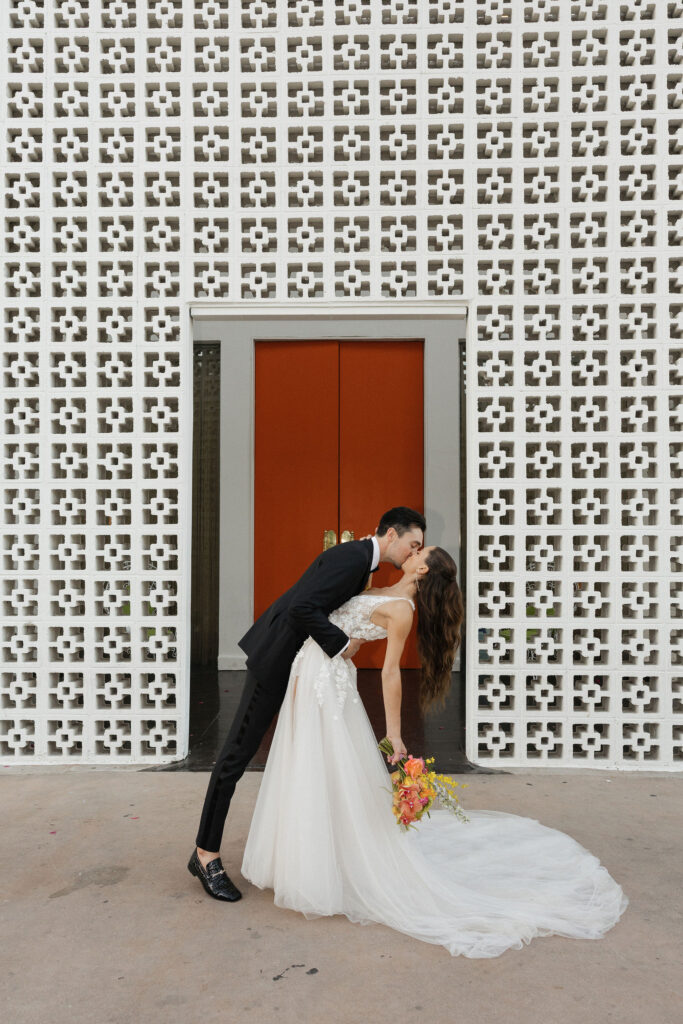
x=353, y=648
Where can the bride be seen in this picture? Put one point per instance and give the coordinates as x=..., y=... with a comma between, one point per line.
x=323, y=836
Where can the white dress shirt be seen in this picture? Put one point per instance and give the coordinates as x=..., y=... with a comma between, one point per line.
x=375, y=553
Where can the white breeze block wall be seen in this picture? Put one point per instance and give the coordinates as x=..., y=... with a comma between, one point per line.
x=525, y=157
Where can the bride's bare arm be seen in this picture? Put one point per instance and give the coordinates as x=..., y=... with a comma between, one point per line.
x=398, y=620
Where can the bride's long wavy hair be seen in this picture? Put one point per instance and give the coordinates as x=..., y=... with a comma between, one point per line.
x=440, y=614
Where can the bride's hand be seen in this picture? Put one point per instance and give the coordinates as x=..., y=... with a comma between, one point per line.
x=399, y=749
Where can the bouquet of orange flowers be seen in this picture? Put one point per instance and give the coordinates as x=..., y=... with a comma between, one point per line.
x=415, y=787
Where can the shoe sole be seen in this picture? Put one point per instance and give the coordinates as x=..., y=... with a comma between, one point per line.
x=192, y=868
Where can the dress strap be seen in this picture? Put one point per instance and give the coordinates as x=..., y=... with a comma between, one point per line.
x=390, y=597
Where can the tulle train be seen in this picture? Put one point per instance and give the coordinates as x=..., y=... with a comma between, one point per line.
x=324, y=839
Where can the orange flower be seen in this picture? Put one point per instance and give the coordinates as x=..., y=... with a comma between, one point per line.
x=406, y=813
x=414, y=767
x=409, y=792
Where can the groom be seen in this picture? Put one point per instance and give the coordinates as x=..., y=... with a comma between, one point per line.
x=271, y=644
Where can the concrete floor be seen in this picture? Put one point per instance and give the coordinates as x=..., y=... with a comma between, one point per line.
x=102, y=924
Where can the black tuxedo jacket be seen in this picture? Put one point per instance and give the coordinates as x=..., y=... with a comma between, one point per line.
x=273, y=641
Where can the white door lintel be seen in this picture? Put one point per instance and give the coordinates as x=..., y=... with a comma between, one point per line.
x=322, y=309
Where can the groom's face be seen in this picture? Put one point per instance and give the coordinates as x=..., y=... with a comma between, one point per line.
x=402, y=547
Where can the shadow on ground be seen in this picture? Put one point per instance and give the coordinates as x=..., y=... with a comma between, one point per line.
x=214, y=697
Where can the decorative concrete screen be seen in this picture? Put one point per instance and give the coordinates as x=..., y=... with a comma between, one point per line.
x=525, y=157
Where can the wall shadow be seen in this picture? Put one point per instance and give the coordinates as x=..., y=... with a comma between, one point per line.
x=441, y=734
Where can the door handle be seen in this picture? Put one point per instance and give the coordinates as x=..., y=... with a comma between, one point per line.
x=329, y=539
x=347, y=535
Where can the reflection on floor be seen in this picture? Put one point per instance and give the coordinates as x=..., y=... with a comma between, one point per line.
x=441, y=734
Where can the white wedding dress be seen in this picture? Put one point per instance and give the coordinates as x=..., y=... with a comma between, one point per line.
x=323, y=836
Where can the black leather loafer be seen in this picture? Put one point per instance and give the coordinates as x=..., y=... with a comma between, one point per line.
x=214, y=879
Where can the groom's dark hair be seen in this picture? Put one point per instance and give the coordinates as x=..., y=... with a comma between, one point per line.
x=402, y=519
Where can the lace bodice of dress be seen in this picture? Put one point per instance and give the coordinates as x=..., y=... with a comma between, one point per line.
x=354, y=616
x=336, y=674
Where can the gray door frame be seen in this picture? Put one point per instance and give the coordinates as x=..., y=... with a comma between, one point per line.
x=441, y=327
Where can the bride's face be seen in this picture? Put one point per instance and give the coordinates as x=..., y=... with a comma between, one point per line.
x=416, y=562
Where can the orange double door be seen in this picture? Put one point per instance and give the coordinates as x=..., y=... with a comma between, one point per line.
x=339, y=439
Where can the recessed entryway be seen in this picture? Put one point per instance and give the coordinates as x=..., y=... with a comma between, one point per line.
x=439, y=342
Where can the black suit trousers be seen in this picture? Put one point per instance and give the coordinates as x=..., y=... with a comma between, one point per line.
x=257, y=708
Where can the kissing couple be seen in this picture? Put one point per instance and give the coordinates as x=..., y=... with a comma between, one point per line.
x=322, y=835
